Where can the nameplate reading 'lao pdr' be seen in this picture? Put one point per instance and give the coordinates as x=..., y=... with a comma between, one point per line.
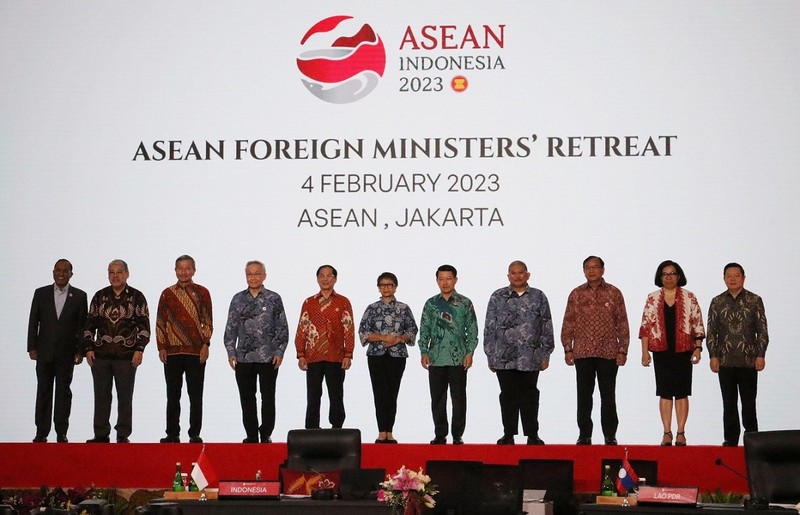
x=685, y=495
x=249, y=489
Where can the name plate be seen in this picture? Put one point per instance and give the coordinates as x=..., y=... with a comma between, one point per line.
x=249, y=490
x=680, y=495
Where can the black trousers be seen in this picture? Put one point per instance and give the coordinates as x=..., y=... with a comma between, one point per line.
x=605, y=371
x=733, y=383
x=58, y=372
x=333, y=373
x=174, y=369
x=385, y=373
x=440, y=379
x=247, y=374
x=519, y=398
x=105, y=374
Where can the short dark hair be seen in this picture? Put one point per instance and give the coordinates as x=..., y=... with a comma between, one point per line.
x=63, y=260
x=733, y=265
x=447, y=268
x=602, y=263
x=185, y=257
x=387, y=275
x=333, y=270
x=518, y=262
x=662, y=266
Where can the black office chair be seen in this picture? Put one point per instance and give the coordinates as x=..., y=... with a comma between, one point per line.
x=166, y=509
x=500, y=491
x=459, y=486
x=323, y=449
x=773, y=465
x=96, y=507
x=647, y=469
x=556, y=477
x=361, y=483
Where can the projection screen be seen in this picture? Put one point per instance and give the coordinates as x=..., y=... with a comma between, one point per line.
x=469, y=133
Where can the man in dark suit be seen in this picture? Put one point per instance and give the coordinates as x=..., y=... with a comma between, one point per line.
x=55, y=329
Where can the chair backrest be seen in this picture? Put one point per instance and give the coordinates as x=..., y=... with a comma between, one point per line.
x=554, y=476
x=323, y=449
x=647, y=469
x=459, y=486
x=773, y=465
x=361, y=483
x=500, y=491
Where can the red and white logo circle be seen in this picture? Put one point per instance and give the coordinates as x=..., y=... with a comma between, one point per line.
x=341, y=62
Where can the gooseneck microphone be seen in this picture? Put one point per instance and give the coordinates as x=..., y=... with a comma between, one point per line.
x=721, y=463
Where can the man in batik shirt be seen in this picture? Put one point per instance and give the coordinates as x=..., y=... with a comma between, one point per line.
x=117, y=331
x=737, y=340
x=447, y=339
x=595, y=336
x=256, y=337
x=324, y=342
x=183, y=334
x=518, y=341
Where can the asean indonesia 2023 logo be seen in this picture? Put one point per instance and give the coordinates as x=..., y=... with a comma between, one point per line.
x=340, y=61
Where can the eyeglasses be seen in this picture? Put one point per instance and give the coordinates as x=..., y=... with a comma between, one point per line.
x=669, y=274
x=387, y=285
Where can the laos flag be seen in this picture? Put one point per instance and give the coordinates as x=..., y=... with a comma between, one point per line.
x=627, y=478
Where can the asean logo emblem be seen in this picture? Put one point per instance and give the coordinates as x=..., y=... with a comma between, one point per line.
x=341, y=67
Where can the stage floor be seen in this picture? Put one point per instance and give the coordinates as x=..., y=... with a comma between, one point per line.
x=152, y=466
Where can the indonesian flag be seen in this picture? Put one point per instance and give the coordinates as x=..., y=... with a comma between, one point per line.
x=626, y=479
x=203, y=473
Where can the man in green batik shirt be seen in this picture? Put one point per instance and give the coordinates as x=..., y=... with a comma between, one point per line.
x=447, y=338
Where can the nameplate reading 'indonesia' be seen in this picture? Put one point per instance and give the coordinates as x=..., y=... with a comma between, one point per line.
x=249, y=489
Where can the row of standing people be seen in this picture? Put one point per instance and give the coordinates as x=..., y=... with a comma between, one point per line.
x=518, y=342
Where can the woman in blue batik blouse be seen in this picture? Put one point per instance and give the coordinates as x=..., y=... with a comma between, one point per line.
x=387, y=327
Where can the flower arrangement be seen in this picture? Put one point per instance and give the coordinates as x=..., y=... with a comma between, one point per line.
x=408, y=491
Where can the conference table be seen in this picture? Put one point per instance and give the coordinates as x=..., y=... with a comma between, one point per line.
x=712, y=509
x=283, y=506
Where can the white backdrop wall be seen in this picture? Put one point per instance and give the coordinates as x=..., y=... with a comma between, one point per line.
x=83, y=84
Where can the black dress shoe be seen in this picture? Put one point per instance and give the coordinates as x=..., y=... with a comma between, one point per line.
x=250, y=440
x=506, y=440
x=457, y=440
x=62, y=439
x=611, y=441
x=390, y=440
x=98, y=439
x=726, y=443
x=40, y=439
x=266, y=439
x=195, y=439
x=535, y=440
x=170, y=439
x=123, y=440
x=439, y=441
x=584, y=441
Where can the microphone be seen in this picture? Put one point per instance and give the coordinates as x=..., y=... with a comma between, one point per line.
x=721, y=463
x=324, y=490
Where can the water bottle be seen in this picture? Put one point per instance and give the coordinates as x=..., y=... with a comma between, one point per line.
x=192, y=484
x=607, y=486
x=177, y=479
